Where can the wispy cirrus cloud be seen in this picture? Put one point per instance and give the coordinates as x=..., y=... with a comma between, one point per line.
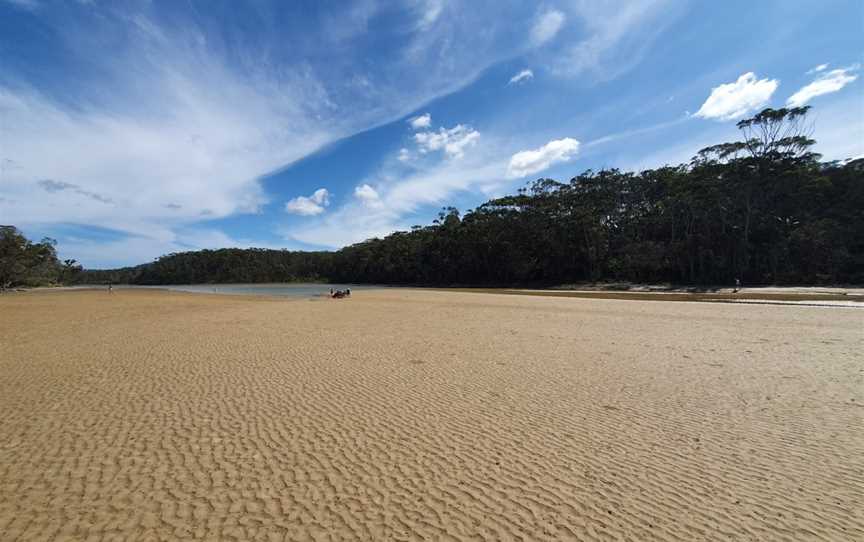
x=546, y=25
x=616, y=36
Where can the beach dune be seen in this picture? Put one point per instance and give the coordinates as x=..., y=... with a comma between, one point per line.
x=409, y=414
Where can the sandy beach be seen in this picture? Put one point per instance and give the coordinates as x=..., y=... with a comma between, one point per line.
x=427, y=415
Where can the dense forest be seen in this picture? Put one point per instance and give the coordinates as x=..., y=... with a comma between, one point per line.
x=763, y=209
x=24, y=263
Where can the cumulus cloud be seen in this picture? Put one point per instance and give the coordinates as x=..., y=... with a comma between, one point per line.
x=452, y=141
x=546, y=26
x=827, y=83
x=423, y=121
x=524, y=75
x=367, y=195
x=817, y=69
x=525, y=163
x=733, y=100
x=309, y=206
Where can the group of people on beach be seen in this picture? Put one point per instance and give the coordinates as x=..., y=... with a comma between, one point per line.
x=339, y=294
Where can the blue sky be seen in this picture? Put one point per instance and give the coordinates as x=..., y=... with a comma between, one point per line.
x=129, y=130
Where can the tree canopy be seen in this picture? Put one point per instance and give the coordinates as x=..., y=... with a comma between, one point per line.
x=24, y=263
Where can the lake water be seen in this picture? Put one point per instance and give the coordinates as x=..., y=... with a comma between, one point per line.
x=276, y=289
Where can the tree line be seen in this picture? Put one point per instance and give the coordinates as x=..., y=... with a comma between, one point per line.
x=764, y=210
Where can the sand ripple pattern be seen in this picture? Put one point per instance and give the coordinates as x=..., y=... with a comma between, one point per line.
x=411, y=415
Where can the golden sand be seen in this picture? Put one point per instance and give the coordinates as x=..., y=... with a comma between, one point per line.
x=401, y=415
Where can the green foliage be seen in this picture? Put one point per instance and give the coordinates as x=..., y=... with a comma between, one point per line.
x=23, y=263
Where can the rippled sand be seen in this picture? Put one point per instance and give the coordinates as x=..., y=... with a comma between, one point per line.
x=418, y=414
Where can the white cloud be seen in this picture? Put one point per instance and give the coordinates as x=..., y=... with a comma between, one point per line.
x=309, y=206
x=404, y=155
x=524, y=75
x=180, y=126
x=546, y=26
x=180, y=138
x=817, y=69
x=423, y=121
x=453, y=141
x=367, y=195
x=525, y=163
x=825, y=84
x=732, y=100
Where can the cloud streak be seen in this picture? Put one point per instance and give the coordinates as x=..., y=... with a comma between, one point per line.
x=616, y=36
x=521, y=77
x=52, y=186
x=828, y=83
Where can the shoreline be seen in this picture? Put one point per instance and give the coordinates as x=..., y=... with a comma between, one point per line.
x=816, y=296
x=795, y=296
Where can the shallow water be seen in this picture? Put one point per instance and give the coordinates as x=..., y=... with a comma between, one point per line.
x=298, y=289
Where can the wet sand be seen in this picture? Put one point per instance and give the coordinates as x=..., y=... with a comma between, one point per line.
x=402, y=415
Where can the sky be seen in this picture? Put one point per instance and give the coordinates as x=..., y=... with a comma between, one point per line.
x=130, y=130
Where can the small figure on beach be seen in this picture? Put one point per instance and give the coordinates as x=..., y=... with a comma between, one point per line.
x=340, y=294
x=737, y=285
x=110, y=288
